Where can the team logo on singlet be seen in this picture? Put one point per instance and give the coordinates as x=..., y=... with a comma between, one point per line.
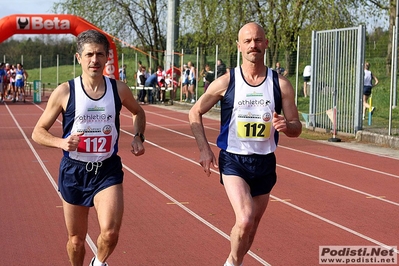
x=107, y=129
x=253, y=103
x=266, y=117
x=96, y=109
x=254, y=94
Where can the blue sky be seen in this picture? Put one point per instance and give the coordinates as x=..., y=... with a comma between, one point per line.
x=44, y=7
x=26, y=7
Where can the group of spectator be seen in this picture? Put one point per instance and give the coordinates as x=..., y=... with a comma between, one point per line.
x=12, y=82
x=160, y=81
x=189, y=78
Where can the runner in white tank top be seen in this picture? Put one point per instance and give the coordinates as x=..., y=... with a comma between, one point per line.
x=247, y=140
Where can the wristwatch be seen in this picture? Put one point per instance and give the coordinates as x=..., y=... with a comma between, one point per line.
x=141, y=135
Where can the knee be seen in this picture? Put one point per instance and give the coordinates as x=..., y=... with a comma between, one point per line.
x=76, y=242
x=110, y=236
x=245, y=224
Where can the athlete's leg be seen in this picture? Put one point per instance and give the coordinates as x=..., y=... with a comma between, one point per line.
x=365, y=104
x=2, y=95
x=76, y=223
x=109, y=206
x=22, y=89
x=248, y=212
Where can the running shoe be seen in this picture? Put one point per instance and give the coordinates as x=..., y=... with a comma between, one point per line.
x=92, y=262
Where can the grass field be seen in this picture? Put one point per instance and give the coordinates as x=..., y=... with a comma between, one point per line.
x=381, y=93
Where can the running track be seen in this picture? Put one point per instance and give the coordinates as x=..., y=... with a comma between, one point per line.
x=176, y=215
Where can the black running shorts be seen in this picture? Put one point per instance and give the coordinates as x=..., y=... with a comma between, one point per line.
x=79, y=182
x=259, y=171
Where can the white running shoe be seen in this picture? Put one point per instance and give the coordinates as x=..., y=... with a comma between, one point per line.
x=92, y=262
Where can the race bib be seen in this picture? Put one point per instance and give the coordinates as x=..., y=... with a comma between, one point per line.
x=95, y=144
x=254, y=124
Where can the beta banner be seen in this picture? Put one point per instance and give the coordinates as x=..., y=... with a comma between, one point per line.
x=56, y=24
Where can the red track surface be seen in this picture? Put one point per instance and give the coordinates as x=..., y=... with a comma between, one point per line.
x=176, y=215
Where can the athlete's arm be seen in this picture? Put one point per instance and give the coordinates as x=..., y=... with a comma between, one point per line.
x=213, y=94
x=139, y=119
x=288, y=123
x=55, y=105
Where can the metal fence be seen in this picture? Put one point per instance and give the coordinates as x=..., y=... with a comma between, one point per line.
x=337, y=79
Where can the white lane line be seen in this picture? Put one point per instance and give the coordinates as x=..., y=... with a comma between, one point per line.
x=339, y=185
x=335, y=224
x=177, y=119
x=34, y=151
x=283, y=201
x=285, y=147
x=306, y=174
x=341, y=162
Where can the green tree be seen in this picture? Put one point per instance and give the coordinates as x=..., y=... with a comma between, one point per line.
x=283, y=21
x=140, y=22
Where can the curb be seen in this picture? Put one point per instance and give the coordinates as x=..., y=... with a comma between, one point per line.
x=383, y=140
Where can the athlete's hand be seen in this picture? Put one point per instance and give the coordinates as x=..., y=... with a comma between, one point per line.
x=71, y=142
x=279, y=122
x=207, y=158
x=137, y=147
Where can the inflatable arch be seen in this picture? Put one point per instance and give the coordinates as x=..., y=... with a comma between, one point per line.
x=56, y=24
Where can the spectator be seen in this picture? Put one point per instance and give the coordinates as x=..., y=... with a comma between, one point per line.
x=138, y=73
x=280, y=70
x=192, y=78
x=21, y=76
x=172, y=77
x=10, y=82
x=142, y=78
x=185, y=82
x=12, y=90
x=151, y=81
x=2, y=83
x=367, y=87
x=122, y=74
x=307, y=72
x=161, y=75
x=221, y=68
x=208, y=75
